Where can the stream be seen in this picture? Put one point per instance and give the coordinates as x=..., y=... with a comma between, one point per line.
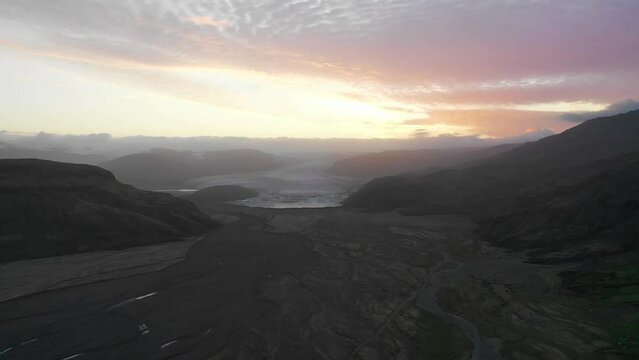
x=427, y=300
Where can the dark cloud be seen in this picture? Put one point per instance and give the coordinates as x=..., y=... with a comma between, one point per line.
x=422, y=133
x=616, y=108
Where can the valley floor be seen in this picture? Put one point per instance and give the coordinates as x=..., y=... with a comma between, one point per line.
x=313, y=284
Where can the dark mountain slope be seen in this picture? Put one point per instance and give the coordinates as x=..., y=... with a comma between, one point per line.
x=524, y=185
x=401, y=161
x=155, y=169
x=591, y=141
x=597, y=214
x=163, y=168
x=51, y=208
x=537, y=164
x=571, y=198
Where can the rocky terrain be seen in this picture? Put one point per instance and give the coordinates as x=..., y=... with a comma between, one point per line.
x=21, y=278
x=317, y=284
x=51, y=208
x=530, y=254
x=566, y=199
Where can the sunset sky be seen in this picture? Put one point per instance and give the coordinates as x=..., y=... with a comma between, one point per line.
x=314, y=68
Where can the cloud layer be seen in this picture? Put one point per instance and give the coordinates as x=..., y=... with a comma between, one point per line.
x=612, y=109
x=490, y=68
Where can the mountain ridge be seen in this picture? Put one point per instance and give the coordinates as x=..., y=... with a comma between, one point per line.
x=503, y=185
x=400, y=161
x=160, y=169
x=51, y=208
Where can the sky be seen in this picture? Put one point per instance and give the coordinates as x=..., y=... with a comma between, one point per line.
x=486, y=69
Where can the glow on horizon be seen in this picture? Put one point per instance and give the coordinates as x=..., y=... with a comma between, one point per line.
x=232, y=69
x=190, y=102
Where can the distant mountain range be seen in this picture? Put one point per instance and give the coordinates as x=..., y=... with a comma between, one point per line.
x=8, y=151
x=400, y=161
x=571, y=190
x=51, y=208
x=163, y=168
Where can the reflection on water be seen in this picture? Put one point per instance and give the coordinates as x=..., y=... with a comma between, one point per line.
x=284, y=200
x=302, y=184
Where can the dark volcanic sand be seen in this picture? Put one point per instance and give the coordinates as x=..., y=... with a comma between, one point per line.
x=312, y=284
x=218, y=286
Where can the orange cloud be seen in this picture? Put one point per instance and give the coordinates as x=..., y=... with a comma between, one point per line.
x=497, y=123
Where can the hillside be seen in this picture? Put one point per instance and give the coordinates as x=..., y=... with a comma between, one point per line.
x=163, y=168
x=50, y=208
x=570, y=199
x=574, y=167
x=400, y=161
x=598, y=215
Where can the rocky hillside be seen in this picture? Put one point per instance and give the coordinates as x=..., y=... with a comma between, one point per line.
x=50, y=208
x=597, y=215
x=520, y=197
x=572, y=198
